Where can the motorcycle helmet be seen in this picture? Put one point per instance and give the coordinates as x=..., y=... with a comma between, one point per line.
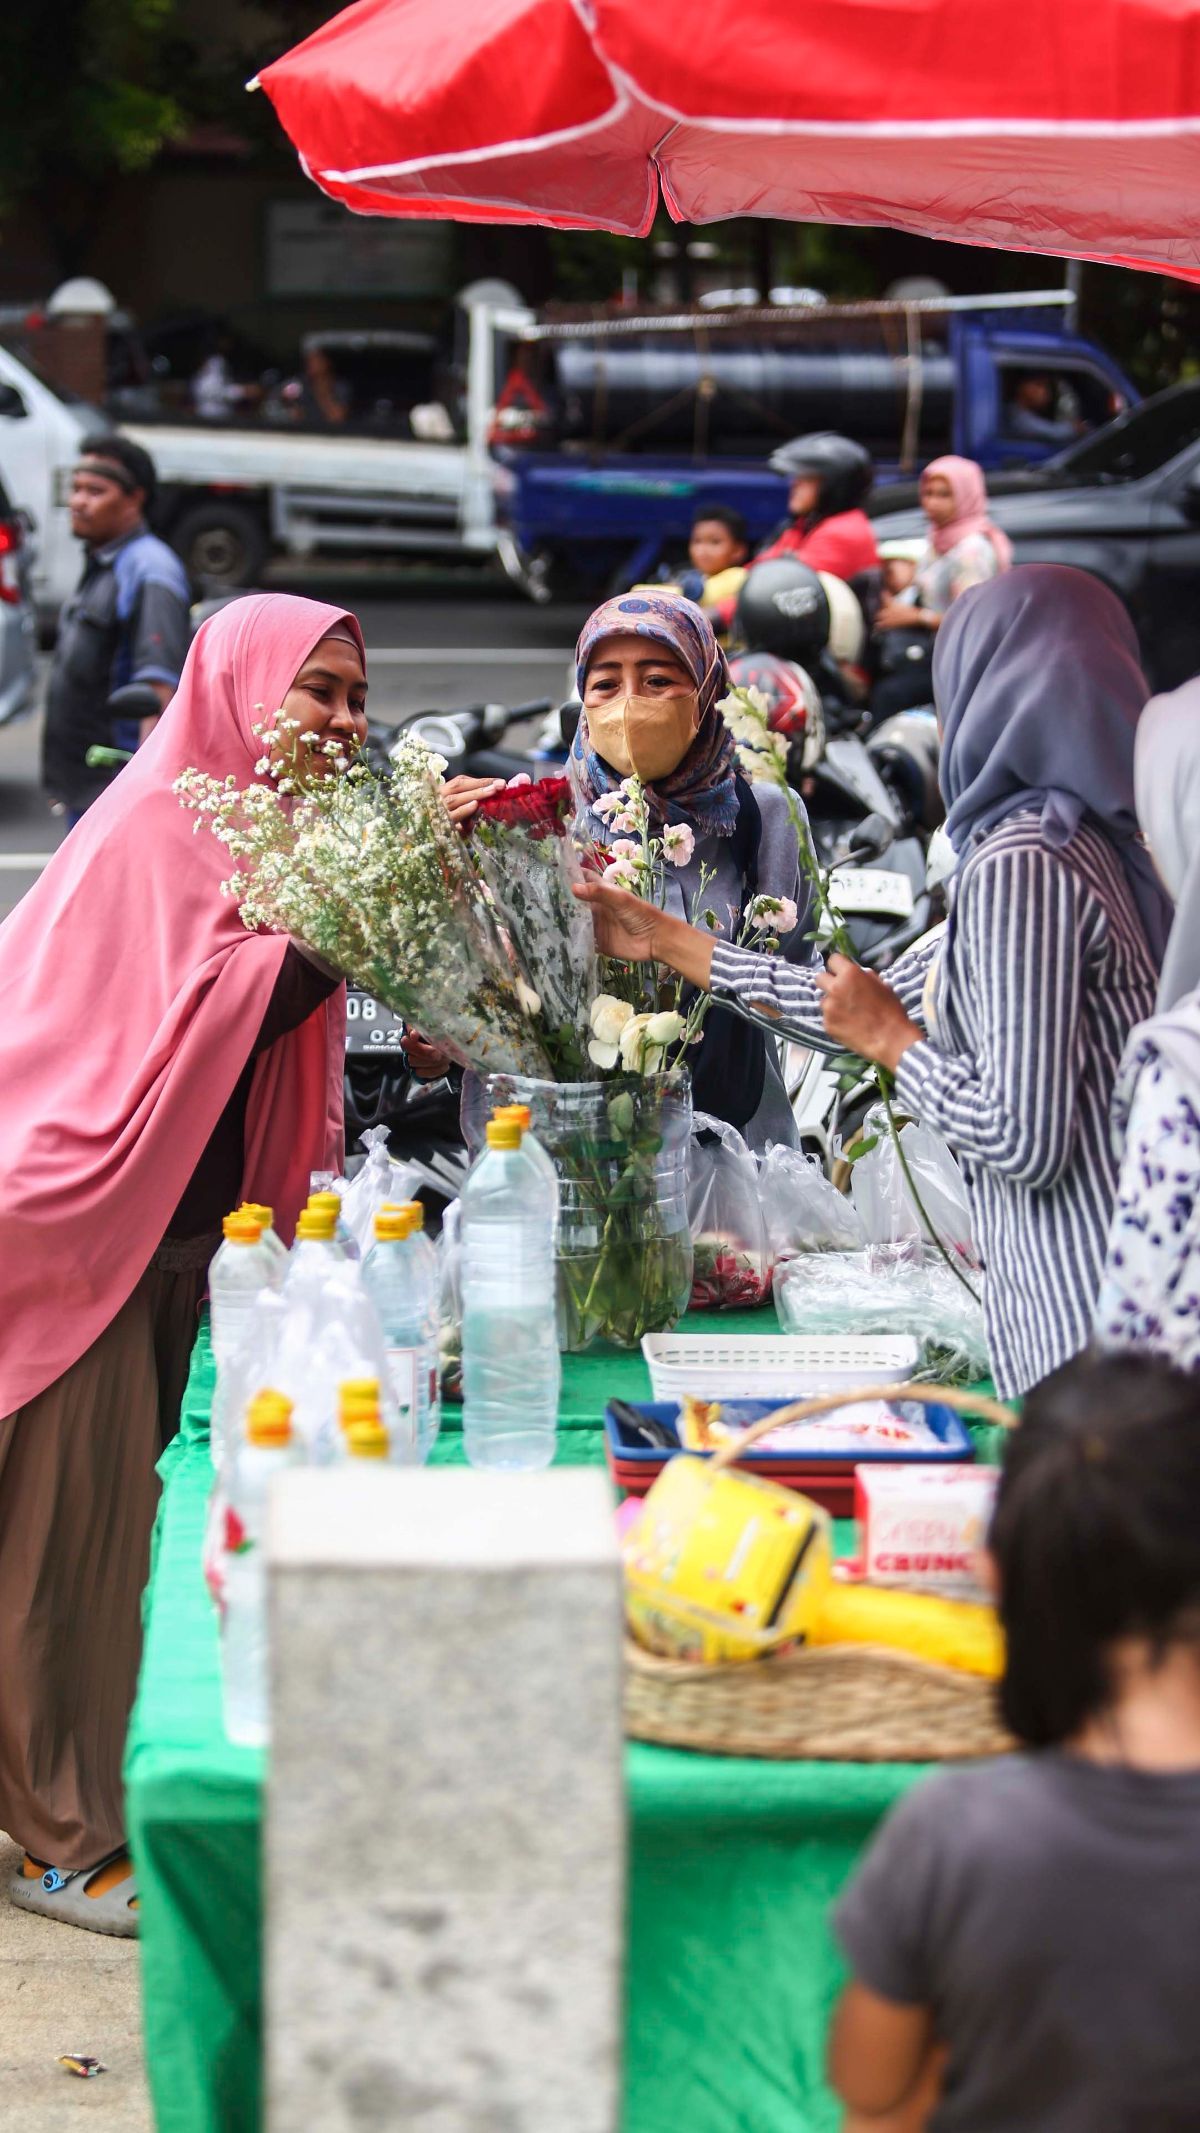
x=847, y=628
x=844, y=470
x=794, y=702
x=783, y=608
x=905, y=752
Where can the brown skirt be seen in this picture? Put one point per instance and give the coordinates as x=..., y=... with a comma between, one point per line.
x=78, y=1493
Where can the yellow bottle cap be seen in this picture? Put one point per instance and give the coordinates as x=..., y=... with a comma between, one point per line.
x=323, y=1201
x=269, y=1419
x=521, y=1112
x=503, y=1133
x=367, y=1439
x=393, y=1224
x=315, y=1227
x=355, y=1391
x=416, y=1209
x=242, y=1228
x=264, y=1215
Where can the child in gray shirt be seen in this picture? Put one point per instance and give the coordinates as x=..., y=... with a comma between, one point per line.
x=1024, y=1935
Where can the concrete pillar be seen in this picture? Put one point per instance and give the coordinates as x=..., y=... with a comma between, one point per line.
x=445, y=1808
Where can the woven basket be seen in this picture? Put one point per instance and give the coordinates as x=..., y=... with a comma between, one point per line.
x=854, y=1703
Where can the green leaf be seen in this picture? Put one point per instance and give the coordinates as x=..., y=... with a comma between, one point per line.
x=861, y=1148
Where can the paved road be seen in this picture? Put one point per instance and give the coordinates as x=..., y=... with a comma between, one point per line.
x=433, y=643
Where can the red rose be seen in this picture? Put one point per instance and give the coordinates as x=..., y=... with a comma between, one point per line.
x=543, y=808
x=236, y=1542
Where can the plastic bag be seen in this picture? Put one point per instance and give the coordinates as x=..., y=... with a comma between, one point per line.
x=857, y=1292
x=802, y=1209
x=942, y=1189
x=729, y=1236
x=890, y=1216
x=881, y=1197
x=379, y=1181
x=451, y=1311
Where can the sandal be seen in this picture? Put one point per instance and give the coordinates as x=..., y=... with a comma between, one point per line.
x=65, y=1897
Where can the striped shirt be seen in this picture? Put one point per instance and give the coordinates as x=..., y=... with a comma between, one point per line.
x=1044, y=972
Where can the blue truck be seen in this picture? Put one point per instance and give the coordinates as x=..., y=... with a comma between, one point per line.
x=609, y=431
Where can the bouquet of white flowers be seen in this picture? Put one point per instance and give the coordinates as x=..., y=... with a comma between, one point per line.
x=370, y=872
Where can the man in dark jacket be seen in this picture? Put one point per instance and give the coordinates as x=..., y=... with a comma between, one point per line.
x=128, y=619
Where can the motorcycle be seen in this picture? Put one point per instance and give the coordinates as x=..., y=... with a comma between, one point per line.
x=878, y=884
x=467, y=740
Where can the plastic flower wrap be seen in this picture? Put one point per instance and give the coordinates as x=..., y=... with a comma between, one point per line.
x=520, y=844
x=370, y=872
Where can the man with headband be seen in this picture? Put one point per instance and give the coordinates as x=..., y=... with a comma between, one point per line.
x=127, y=620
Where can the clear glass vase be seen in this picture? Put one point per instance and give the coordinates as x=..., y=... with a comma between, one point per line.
x=620, y=1148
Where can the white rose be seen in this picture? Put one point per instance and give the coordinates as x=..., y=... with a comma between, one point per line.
x=633, y=1038
x=664, y=1029
x=608, y=1018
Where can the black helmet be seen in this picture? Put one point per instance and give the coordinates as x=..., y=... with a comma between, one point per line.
x=783, y=608
x=844, y=470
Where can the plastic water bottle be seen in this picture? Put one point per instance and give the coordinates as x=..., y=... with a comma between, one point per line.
x=511, y=1367
x=267, y=1450
x=394, y=1278
x=429, y=1270
x=243, y=1268
x=530, y=1144
x=362, y=1424
x=316, y=1248
x=265, y=1216
x=331, y=1203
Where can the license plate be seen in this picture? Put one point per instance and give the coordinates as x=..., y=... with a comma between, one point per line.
x=370, y=1026
x=874, y=891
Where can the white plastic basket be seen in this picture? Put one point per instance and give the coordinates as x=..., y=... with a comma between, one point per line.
x=714, y=1366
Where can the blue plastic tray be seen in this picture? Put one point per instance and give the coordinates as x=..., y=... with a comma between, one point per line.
x=625, y=1449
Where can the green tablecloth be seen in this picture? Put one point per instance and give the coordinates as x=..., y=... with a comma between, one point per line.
x=733, y=1864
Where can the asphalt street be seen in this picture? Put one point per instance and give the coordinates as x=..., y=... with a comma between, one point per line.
x=433, y=643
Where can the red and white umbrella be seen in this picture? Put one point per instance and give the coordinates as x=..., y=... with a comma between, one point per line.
x=1056, y=127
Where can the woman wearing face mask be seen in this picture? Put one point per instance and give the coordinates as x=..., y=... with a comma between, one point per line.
x=206, y=1067
x=1008, y=1038
x=650, y=676
x=1150, y=1294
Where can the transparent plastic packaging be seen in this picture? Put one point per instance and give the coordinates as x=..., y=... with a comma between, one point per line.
x=860, y=1292
x=381, y=1182
x=802, y=1209
x=732, y=1261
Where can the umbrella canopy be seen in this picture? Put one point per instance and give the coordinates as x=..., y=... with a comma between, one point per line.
x=1054, y=128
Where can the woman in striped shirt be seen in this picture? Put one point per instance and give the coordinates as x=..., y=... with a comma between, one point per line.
x=1005, y=1036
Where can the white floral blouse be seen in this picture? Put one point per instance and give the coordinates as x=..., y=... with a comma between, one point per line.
x=1150, y=1291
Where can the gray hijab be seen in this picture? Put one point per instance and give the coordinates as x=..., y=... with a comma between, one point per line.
x=1039, y=692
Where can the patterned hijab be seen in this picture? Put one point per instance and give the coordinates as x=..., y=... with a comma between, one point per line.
x=702, y=791
x=1039, y=692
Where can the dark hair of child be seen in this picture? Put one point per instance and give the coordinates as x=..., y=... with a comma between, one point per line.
x=1095, y=1534
x=723, y=515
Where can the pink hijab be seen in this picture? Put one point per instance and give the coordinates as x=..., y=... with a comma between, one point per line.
x=969, y=490
x=130, y=997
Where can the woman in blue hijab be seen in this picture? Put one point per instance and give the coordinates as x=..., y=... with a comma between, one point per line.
x=1005, y=1035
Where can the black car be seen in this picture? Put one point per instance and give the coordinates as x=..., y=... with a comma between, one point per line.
x=1124, y=503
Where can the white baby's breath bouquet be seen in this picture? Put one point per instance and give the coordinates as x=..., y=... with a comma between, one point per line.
x=369, y=871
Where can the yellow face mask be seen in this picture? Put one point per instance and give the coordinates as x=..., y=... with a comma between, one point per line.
x=644, y=736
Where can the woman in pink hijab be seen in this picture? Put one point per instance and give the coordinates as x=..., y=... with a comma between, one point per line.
x=963, y=547
x=158, y=1064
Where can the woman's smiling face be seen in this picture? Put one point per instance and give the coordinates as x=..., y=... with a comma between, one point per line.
x=328, y=701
